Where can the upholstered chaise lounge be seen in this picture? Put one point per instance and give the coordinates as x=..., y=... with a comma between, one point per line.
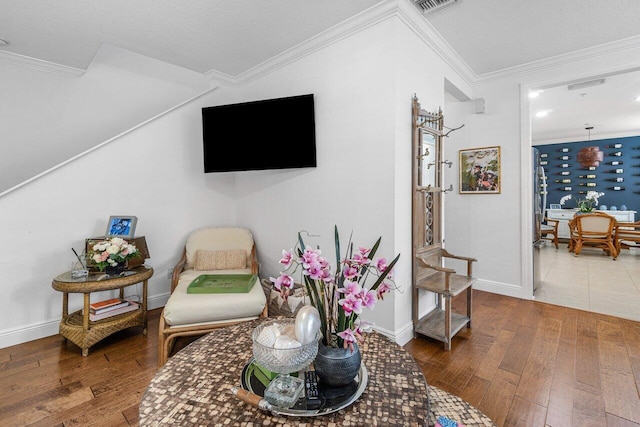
x=215, y=250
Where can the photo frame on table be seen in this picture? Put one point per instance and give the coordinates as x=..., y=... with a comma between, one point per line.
x=121, y=226
x=480, y=170
x=555, y=206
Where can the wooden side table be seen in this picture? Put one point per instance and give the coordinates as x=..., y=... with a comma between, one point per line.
x=78, y=328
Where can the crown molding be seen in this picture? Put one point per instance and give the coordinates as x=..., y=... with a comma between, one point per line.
x=599, y=51
x=415, y=20
x=40, y=65
x=628, y=133
x=353, y=25
x=216, y=78
x=380, y=12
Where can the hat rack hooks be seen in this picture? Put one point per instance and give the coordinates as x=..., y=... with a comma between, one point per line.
x=449, y=163
x=446, y=135
x=433, y=123
x=430, y=189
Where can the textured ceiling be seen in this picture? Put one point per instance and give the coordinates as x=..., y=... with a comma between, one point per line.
x=200, y=35
x=231, y=37
x=492, y=35
x=610, y=108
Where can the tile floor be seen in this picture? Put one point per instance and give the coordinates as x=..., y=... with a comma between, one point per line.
x=591, y=281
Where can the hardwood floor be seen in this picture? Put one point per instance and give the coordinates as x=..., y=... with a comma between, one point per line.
x=524, y=363
x=527, y=363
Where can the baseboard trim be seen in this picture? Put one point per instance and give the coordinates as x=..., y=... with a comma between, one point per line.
x=505, y=289
x=9, y=337
x=401, y=336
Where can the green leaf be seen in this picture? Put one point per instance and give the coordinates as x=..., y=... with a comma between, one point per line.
x=385, y=273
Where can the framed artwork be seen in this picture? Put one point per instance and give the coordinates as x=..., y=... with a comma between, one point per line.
x=480, y=170
x=121, y=226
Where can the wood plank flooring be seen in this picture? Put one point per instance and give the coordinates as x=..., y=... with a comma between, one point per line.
x=524, y=363
x=527, y=363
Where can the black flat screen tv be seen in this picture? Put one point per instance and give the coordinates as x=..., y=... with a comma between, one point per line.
x=268, y=134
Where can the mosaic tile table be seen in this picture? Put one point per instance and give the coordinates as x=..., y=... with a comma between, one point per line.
x=194, y=388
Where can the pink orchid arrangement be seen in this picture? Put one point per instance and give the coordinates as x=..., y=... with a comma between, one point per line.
x=341, y=295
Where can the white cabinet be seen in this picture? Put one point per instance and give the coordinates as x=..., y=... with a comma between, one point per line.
x=622, y=216
x=564, y=215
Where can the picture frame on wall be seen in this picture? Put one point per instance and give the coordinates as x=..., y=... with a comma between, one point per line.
x=121, y=226
x=480, y=170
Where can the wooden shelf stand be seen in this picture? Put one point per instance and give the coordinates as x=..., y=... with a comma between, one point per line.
x=429, y=273
x=443, y=323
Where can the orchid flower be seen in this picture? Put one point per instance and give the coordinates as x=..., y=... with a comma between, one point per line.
x=340, y=295
x=349, y=338
x=383, y=289
x=287, y=259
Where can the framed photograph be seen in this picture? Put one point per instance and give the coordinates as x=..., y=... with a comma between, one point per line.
x=555, y=206
x=121, y=226
x=480, y=170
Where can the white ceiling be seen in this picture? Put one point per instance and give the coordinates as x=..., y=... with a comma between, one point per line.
x=231, y=37
x=610, y=108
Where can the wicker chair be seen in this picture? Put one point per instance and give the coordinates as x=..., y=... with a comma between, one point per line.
x=216, y=250
x=593, y=229
x=627, y=235
x=549, y=230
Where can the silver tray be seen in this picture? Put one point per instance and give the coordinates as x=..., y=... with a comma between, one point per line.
x=333, y=398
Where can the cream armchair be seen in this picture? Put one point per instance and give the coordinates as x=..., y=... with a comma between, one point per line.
x=215, y=250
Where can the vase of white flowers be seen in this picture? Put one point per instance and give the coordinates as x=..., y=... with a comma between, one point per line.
x=585, y=205
x=111, y=255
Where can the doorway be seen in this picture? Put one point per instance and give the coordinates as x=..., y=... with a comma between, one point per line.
x=590, y=281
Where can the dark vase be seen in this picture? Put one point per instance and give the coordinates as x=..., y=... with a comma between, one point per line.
x=337, y=367
x=115, y=270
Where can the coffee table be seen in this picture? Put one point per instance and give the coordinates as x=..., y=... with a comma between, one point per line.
x=194, y=387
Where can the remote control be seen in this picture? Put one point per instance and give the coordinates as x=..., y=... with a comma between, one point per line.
x=311, y=390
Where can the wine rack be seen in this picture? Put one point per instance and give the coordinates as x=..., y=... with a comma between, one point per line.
x=617, y=175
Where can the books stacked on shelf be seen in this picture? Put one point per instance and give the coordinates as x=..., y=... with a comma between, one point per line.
x=111, y=307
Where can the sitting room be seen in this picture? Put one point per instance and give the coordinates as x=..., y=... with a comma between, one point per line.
x=106, y=115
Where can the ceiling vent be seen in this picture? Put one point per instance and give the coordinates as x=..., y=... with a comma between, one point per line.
x=431, y=6
x=583, y=85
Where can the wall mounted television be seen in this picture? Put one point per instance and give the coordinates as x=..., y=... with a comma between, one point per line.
x=267, y=134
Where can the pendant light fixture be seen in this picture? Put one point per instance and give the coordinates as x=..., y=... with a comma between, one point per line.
x=590, y=156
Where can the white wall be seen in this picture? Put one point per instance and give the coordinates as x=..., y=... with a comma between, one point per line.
x=363, y=89
x=497, y=228
x=46, y=118
x=353, y=185
x=363, y=84
x=487, y=226
x=154, y=173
